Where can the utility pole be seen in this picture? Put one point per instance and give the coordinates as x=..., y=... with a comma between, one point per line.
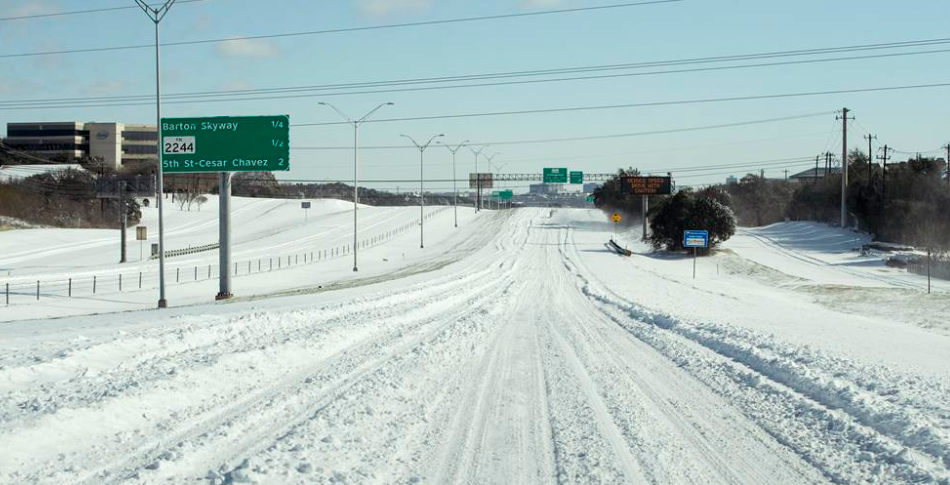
x=815, y=179
x=786, y=175
x=884, y=159
x=455, y=190
x=156, y=15
x=844, y=166
x=422, y=204
x=123, y=218
x=869, y=137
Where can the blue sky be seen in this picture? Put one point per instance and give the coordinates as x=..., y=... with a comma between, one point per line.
x=909, y=120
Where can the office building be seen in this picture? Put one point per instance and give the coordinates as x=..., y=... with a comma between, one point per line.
x=115, y=144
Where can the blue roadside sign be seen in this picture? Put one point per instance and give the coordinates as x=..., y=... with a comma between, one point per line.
x=695, y=239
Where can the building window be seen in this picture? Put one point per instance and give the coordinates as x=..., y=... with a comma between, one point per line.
x=14, y=132
x=140, y=135
x=139, y=149
x=47, y=147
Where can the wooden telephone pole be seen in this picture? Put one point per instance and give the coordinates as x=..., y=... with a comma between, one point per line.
x=844, y=165
x=870, y=137
x=884, y=158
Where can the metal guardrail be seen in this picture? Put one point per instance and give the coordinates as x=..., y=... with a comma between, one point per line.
x=186, y=251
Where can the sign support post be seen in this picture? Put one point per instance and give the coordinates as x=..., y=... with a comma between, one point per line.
x=646, y=208
x=695, y=240
x=224, y=230
x=123, y=220
x=694, y=263
x=222, y=145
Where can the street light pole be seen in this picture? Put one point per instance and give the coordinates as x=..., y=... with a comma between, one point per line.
x=422, y=204
x=455, y=190
x=356, y=191
x=156, y=15
x=478, y=178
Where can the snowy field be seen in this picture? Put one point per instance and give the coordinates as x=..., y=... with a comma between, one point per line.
x=514, y=350
x=273, y=241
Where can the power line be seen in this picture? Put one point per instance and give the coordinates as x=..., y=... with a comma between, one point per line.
x=639, y=105
x=574, y=158
x=79, y=12
x=694, y=168
x=209, y=96
x=800, y=165
x=349, y=29
x=602, y=137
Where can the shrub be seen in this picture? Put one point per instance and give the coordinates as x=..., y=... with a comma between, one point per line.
x=684, y=211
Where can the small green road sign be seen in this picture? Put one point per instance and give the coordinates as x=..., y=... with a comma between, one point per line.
x=555, y=176
x=577, y=177
x=590, y=199
x=506, y=194
x=226, y=144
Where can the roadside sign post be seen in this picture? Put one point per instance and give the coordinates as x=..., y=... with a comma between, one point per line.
x=306, y=210
x=224, y=232
x=225, y=144
x=141, y=235
x=616, y=217
x=645, y=187
x=695, y=240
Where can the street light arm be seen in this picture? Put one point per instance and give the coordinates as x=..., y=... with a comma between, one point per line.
x=479, y=152
x=413, y=140
x=424, y=147
x=453, y=150
x=164, y=10
x=363, y=119
x=334, y=108
x=145, y=8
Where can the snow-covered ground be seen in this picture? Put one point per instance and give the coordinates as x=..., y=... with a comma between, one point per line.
x=518, y=351
x=276, y=247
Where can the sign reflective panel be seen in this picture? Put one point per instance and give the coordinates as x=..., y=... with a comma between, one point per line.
x=555, y=176
x=695, y=239
x=226, y=144
x=637, y=185
x=483, y=180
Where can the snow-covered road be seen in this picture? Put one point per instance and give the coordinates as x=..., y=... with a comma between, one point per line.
x=521, y=358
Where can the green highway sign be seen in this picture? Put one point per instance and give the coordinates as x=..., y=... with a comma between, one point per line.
x=506, y=194
x=590, y=199
x=577, y=177
x=555, y=176
x=226, y=144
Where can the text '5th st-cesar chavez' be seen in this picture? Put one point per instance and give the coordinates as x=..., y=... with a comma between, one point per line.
x=226, y=144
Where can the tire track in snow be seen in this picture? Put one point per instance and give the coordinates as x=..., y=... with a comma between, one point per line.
x=850, y=449
x=481, y=279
